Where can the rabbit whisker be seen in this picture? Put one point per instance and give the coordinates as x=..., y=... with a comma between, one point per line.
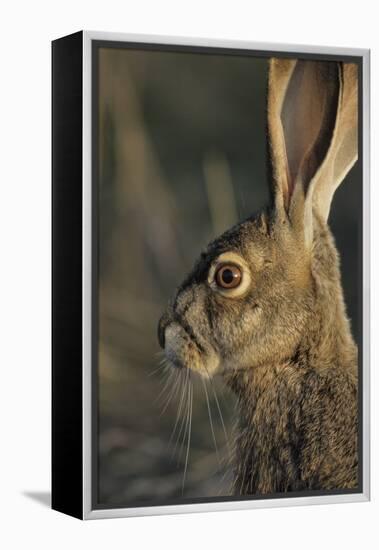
x=210, y=419
x=220, y=414
x=162, y=366
x=172, y=393
x=181, y=387
x=182, y=407
x=184, y=422
x=170, y=376
x=187, y=418
x=188, y=439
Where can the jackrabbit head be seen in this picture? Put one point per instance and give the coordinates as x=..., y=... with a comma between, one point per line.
x=251, y=294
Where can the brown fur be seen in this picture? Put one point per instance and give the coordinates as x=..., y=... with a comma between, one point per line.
x=298, y=418
x=282, y=341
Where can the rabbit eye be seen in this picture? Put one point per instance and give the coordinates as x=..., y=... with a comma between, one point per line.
x=228, y=276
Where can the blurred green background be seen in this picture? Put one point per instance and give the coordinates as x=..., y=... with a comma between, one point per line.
x=182, y=157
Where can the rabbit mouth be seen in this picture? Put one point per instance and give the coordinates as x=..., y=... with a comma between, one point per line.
x=166, y=321
x=183, y=349
x=180, y=345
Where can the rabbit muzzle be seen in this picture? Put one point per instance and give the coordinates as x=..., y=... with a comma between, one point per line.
x=183, y=346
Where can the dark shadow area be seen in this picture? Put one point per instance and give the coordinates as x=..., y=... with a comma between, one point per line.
x=42, y=497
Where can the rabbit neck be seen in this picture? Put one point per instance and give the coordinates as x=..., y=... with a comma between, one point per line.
x=327, y=340
x=264, y=459
x=290, y=436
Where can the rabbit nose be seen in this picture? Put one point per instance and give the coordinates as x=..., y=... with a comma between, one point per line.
x=162, y=324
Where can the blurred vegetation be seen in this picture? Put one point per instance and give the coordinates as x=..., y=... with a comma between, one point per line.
x=182, y=157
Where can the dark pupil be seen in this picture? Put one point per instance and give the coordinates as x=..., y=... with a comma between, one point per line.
x=227, y=276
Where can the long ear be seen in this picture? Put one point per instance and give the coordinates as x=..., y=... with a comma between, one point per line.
x=343, y=150
x=312, y=126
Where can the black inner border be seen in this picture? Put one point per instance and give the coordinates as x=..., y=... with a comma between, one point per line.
x=95, y=46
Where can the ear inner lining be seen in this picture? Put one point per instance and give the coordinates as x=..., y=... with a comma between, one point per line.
x=308, y=119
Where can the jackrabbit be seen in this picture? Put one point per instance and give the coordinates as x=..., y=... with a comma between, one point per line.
x=264, y=306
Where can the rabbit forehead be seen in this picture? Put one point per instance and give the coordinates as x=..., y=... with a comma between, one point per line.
x=233, y=257
x=251, y=253
x=245, y=241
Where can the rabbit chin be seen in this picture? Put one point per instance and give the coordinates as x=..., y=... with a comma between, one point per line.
x=182, y=352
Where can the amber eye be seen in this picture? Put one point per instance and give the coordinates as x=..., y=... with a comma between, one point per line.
x=228, y=276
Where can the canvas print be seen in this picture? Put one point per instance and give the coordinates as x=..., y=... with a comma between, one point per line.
x=228, y=300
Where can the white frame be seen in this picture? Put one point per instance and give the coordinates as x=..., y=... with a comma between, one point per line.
x=88, y=512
